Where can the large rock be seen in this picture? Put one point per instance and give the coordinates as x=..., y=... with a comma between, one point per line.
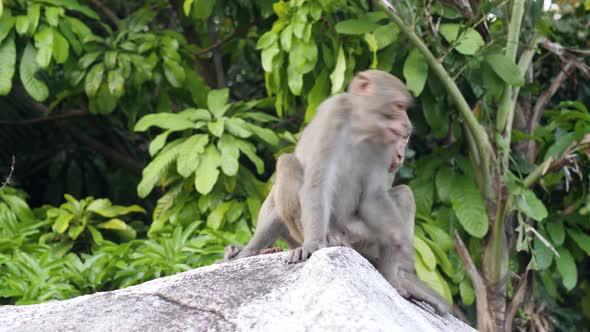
x=336, y=290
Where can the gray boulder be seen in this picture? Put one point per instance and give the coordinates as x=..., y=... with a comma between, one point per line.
x=336, y=290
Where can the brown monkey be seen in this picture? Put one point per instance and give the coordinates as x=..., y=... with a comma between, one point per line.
x=338, y=175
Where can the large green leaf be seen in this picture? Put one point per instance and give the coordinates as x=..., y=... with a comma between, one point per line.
x=469, y=207
x=318, y=93
x=61, y=47
x=116, y=82
x=7, y=64
x=566, y=266
x=466, y=291
x=386, y=34
x=528, y=203
x=294, y=80
x=203, y=8
x=423, y=193
x=174, y=73
x=169, y=121
x=337, y=76
x=217, y=102
x=216, y=127
x=104, y=208
x=440, y=237
x=581, y=239
x=505, y=68
x=207, y=173
x=36, y=88
x=33, y=13
x=267, y=56
x=444, y=183
x=158, y=167
x=44, y=45
x=52, y=15
x=543, y=254
x=249, y=150
x=428, y=257
x=415, y=71
x=94, y=79
x=468, y=42
x=190, y=154
x=7, y=21
x=237, y=127
x=433, y=279
x=556, y=232
x=196, y=114
x=216, y=217
x=267, y=135
x=22, y=24
x=229, y=155
x=355, y=27
x=61, y=224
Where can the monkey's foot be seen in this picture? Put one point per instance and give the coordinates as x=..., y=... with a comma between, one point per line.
x=271, y=250
x=231, y=252
x=298, y=255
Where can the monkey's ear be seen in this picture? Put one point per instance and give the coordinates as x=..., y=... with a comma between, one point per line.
x=362, y=85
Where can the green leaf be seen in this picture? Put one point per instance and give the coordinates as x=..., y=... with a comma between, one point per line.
x=110, y=59
x=174, y=73
x=543, y=254
x=440, y=237
x=249, y=150
x=216, y=127
x=7, y=65
x=556, y=232
x=337, y=76
x=170, y=121
x=115, y=224
x=7, y=21
x=194, y=114
x=433, y=279
x=386, y=34
x=105, y=208
x=318, y=93
x=267, y=56
x=265, y=134
x=286, y=38
x=52, y=15
x=566, y=266
x=581, y=239
x=423, y=190
x=187, y=7
x=229, y=155
x=530, y=205
x=33, y=13
x=44, y=45
x=415, y=71
x=266, y=40
x=61, y=47
x=104, y=102
x=217, y=102
x=36, y=88
x=557, y=149
x=207, y=173
x=94, y=79
x=158, y=167
x=191, y=154
x=216, y=217
x=253, y=207
x=22, y=24
x=203, y=8
x=444, y=182
x=75, y=231
x=469, y=207
x=158, y=142
x=19, y=207
x=294, y=80
x=87, y=59
x=428, y=257
x=355, y=27
x=61, y=224
x=237, y=127
x=116, y=82
x=467, y=43
x=505, y=68
x=466, y=291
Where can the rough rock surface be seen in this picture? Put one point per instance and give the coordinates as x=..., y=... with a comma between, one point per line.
x=336, y=290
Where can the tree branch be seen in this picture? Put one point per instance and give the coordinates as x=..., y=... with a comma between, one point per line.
x=240, y=31
x=484, y=317
x=106, y=11
x=216, y=54
x=517, y=300
x=59, y=116
x=5, y=183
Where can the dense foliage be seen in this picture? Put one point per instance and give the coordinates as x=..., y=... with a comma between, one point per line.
x=144, y=135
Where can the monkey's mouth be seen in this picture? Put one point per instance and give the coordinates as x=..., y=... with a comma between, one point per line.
x=393, y=167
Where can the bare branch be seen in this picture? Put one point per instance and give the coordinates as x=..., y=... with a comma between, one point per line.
x=106, y=11
x=59, y=116
x=5, y=183
x=237, y=33
x=517, y=300
x=216, y=54
x=485, y=323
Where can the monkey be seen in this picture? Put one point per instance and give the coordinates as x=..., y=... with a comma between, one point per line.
x=333, y=191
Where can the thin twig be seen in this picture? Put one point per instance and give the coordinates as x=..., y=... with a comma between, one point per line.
x=484, y=318
x=216, y=54
x=237, y=33
x=59, y=116
x=542, y=102
x=517, y=300
x=5, y=183
x=106, y=11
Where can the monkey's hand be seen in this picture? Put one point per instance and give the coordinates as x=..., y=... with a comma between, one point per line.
x=302, y=253
x=231, y=251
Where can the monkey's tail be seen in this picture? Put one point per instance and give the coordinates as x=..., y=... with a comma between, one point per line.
x=420, y=291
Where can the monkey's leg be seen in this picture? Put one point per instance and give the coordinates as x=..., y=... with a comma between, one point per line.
x=289, y=179
x=268, y=230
